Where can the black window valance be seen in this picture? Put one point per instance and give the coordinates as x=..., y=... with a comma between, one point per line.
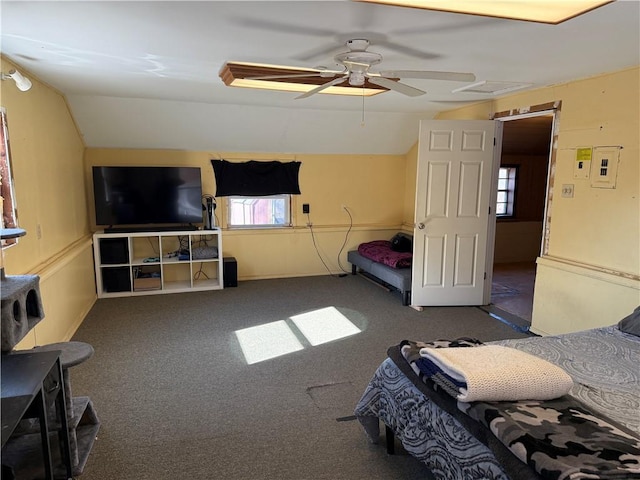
x=255, y=179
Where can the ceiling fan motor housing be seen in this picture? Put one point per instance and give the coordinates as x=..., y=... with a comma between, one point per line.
x=358, y=44
x=357, y=59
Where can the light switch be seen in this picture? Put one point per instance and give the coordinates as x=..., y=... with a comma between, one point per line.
x=582, y=169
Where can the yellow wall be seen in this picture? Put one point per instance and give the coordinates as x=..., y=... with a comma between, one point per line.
x=590, y=275
x=410, y=188
x=47, y=160
x=371, y=186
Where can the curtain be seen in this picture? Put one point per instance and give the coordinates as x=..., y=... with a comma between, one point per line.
x=255, y=179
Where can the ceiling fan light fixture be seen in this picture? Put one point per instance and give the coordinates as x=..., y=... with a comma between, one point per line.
x=240, y=74
x=356, y=79
x=542, y=11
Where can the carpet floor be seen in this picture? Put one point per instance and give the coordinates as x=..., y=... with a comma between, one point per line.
x=251, y=381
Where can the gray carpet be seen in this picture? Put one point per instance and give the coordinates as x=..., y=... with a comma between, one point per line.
x=177, y=399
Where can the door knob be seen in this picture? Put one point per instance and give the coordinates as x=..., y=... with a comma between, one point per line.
x=421, y=226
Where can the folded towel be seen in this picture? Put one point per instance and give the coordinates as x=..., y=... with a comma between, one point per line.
x=497, y=373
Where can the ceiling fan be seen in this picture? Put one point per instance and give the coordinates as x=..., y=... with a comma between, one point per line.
x=357, y=64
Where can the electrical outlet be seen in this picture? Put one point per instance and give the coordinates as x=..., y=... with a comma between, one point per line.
x=305, y=208
x=567, y=190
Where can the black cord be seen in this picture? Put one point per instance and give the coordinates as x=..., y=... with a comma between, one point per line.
x=346, y=237
x=153, y=247
x=313, y=238
x=196, y=276
x=203, y=240
x=184, y=243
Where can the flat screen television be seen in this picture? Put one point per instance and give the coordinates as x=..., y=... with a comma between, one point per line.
x=143, y=196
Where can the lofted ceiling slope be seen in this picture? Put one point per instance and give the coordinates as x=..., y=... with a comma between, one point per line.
x=145, y=74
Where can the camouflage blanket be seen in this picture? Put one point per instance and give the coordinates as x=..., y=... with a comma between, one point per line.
x=559, y=438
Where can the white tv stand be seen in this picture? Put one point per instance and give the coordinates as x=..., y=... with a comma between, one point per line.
x=151, y=263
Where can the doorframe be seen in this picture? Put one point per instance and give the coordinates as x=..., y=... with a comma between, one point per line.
x=552, y=108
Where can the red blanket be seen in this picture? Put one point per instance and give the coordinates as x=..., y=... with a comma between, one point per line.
x=380, y=251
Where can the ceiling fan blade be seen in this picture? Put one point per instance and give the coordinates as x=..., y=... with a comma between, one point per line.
x=425, y=74
x=318, y=52
x=278, y=74
x=275, y=26
x=396, y=86
x=412, y=52
x=318, y=89
x=459, y=24
x=278, y=77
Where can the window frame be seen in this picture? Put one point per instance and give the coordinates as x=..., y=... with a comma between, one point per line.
x=7, y=189
x=246, y=198
x=510, y=191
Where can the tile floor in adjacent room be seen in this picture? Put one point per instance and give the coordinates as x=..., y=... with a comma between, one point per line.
x=512, y=289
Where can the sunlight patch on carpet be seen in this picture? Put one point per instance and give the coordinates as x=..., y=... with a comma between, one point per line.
x=324, y=325
x=270, y=340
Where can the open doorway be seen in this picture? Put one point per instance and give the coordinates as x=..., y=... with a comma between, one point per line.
x=522, y=197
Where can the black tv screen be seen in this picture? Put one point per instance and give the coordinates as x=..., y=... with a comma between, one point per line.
x=147, y=195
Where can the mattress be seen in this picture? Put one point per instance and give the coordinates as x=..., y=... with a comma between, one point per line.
x=433, y=428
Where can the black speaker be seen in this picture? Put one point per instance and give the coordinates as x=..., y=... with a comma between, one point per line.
x=230, y=271
x=114, y=250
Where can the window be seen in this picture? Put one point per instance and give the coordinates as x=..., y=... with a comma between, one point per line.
x=269, y=211
x=506, y=191
x=9, y=216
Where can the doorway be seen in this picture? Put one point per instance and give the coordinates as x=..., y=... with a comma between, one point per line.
x=521, y=212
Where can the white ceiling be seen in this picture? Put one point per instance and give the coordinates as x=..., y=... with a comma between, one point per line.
x=145, y=74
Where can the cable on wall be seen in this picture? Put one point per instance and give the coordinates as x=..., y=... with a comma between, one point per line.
x=313, y=238
x=346, y=237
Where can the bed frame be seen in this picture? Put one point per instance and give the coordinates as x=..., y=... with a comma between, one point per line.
x=398, y=278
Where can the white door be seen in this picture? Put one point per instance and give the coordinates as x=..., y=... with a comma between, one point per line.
x=453, y=221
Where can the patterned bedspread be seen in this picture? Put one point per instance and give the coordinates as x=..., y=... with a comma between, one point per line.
x=380, y=251
x=453, y=445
